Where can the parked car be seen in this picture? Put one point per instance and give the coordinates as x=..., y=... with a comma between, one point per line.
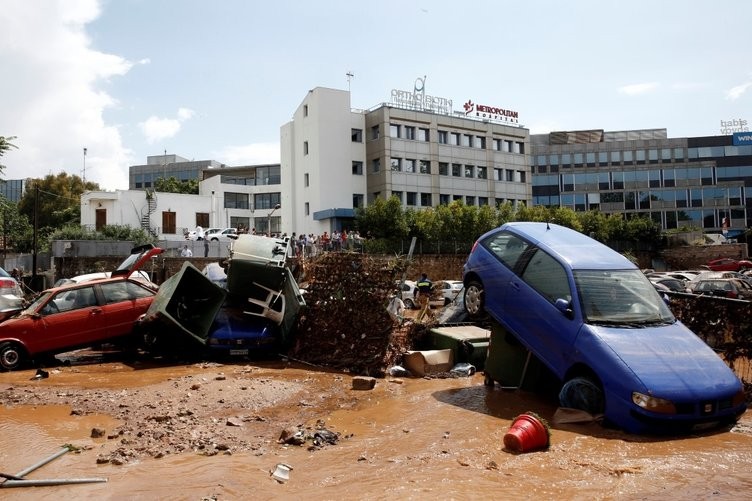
x=450, y=290
x=224, y=235
x=707, y=275
x=593, y=318
x=11, y=294
x=79, y=314
x=78, y=279
x=733, y=288
x=728, y=264
x=671, y=284
x=409, y=295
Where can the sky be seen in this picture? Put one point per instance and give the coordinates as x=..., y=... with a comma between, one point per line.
x=125, y=79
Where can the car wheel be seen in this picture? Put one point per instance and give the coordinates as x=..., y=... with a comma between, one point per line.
x=474, y=302
x=409, y=304
x=215, y=240
x=11, y=356
x=583, y=393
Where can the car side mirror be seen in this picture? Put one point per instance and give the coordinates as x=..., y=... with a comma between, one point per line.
x=565, y=307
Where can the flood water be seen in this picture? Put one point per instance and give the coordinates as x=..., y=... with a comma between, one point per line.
x=406, y=439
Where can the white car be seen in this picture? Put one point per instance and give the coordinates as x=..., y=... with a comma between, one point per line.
x=450, y=290
x=224, y=235
x=11, y=295
x=137, y=275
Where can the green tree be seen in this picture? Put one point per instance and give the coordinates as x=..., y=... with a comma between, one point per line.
x=59, y=200
x=16, y=230
x=382, y=219
x=173, y=185
x=5, y=145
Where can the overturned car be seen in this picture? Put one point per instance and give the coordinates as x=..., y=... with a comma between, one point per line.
x=257, y=310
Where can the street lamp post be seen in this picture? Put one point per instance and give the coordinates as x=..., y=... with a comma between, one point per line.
x=269, y=221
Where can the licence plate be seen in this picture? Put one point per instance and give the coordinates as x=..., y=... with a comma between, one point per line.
x=705, y=426
x=239, y=352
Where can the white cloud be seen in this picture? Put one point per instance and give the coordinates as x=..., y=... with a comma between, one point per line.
x=156, y=129
x=638, y=89
x=250, y=154
x=51, y=96
x=737, y=91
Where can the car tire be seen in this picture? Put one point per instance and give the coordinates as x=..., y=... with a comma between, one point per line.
x=409, y=304
x=488, y=380
x=583, y=393
x=12, y=356
x=474, y=300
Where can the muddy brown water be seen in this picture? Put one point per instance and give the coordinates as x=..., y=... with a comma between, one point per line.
x=406, y=439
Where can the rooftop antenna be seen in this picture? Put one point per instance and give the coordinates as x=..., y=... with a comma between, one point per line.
x=350, y=76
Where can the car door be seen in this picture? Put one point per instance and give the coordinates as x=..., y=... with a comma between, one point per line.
x=71, y=318
x=123, y=302
x=498, y=273
x=531, y=313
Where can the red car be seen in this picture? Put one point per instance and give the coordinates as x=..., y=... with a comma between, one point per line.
x=728, y=264
x=76, y=315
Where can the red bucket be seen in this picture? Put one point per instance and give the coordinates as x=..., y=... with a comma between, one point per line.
x=527, y=433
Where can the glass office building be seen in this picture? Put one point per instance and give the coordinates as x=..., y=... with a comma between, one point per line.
x=700, y=182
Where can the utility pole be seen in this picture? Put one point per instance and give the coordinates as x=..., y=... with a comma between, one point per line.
x=34, y=242
x=84, y=171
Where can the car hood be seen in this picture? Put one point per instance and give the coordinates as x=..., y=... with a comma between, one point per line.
x=669, y=360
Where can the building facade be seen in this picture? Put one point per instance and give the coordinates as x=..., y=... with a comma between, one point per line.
x=335, y=159
x=700, y=182
x=142, y=177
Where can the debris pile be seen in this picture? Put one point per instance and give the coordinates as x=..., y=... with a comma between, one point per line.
x=346, y=325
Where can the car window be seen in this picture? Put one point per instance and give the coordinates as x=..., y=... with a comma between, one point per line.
x=69, y=300
x=546, y=275
x=115, y=292
x=507, y=247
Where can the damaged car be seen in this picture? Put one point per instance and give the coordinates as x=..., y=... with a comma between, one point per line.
x=76, y=315
x=594, y=319
x=257, y=308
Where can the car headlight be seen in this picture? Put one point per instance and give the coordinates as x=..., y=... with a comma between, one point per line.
x=653, y=404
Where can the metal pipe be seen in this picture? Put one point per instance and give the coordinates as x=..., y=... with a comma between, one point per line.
x=50, y=481
x=42, y=462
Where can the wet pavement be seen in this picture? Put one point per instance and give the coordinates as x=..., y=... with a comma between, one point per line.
x=406, y=439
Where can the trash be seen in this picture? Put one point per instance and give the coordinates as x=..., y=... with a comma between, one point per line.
x=399, y=371
x=421, y=363
x=463, y=369
x=282, y=473
x=41, y=374
x=17, y=480
x=293, y=436
x=528, y=432
x=323, y=436
x=566, y=415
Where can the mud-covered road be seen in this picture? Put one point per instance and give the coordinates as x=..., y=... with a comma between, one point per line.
x=209, y=431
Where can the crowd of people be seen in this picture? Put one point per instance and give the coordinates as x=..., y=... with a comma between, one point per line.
x=312, y=245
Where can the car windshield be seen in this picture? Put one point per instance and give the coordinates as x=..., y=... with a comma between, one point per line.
x=34, y=306
x=620, y=297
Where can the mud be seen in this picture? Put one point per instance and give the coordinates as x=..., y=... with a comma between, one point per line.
x=210, y=430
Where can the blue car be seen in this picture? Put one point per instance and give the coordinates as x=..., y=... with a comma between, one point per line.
x=594, y=319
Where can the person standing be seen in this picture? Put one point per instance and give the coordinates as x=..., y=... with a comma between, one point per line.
x=424, y=286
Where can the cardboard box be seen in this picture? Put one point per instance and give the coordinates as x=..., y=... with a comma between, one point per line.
x=420, y=363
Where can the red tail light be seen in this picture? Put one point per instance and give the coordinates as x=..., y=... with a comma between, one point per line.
x=732, y=294
x=6, y=283
x=474, y=246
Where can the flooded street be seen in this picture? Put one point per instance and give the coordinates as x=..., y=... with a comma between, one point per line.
x=406, y=439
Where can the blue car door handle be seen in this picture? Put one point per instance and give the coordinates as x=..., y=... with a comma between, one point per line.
x=515, y=286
